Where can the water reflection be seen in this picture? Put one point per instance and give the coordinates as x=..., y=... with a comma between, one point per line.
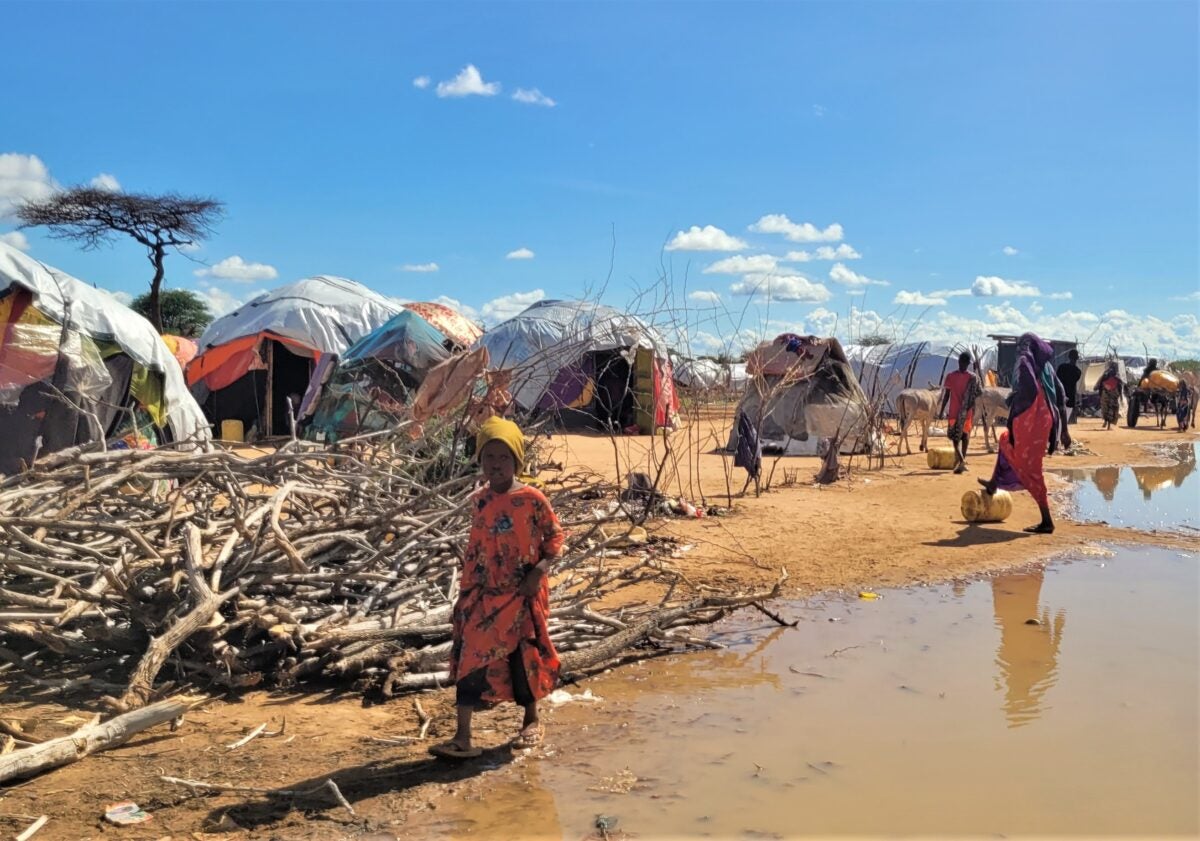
x=1151, y=479
x=1106, y=479
x=1028, y=654
x=1149, y=501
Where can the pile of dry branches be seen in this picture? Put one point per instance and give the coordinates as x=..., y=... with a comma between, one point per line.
x=171, y=568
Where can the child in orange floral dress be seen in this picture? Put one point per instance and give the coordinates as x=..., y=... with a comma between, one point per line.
x=502, y=649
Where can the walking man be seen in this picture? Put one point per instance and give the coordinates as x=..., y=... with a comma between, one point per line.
x=1068, y=375
x=960, y=390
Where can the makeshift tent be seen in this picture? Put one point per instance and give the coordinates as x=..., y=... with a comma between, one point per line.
x=803, y=392
x=884, y=371
x=367, y=387
x=256, y=357
x=76, y=365
x=699, y=374
x=586, y=364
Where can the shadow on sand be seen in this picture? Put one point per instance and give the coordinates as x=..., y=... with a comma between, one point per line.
x=973, y=534
x=356, y=783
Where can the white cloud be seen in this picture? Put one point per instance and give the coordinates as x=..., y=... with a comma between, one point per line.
x=219, y=300
x=104, y=181
x=708, y=238
x=781, y=288
x=123, y=297
x=1060, y=296
x=735, y=342
x=533, y=96
x=236, y=269
x=421, y=82
x=1194, y=296
x=819, y=111
x=998, y=287
x=825, y=252
x=705, y=296
x=22, y=178
x=738, y=264
x=840, y=274
x=505, y=307
x=842, y=252
x=1006, y=314
x=1178, y=338
x=16, y=239
x=190, y=248
x=918, y=299
x=951, y=293
x=778, y=223
x=1035, y=308
x=468, y=82
x=419, y=267
x=520, y=254
x=825, y=322
x=1010, y=251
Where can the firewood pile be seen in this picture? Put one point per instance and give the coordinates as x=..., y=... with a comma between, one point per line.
x=210, y=569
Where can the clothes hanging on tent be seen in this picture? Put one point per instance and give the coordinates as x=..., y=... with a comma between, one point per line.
x=749, y=449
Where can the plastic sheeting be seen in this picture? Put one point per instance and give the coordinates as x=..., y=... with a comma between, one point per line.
x=552, y=335
x=407, y=340
x=700, y=373
x=884, y=371
x=452, y=324
x=324, y=314
x=103, y=319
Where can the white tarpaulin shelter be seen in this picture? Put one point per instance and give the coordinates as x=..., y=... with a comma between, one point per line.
x=325, y=313
x=92, y=318
x=556, y=351
x=256, y=361
x=700, y=373
x=884, y=371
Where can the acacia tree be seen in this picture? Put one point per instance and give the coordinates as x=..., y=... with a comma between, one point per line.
x=93, y=217
x=184, y=313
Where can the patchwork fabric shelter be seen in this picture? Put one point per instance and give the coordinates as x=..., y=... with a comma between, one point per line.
x=588, y=365
x=802, y=391
x=369, y=385
x=884, y=371
x=76, y=365
x=256, y=357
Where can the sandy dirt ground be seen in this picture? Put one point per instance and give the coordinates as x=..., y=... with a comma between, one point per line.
x=873, y=528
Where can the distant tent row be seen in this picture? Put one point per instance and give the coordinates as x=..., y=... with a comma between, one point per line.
x=77, y=366
x=349, y=361
x=587, y=365
x=884, y=371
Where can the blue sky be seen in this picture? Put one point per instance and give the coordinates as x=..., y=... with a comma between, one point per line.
x=984, y=160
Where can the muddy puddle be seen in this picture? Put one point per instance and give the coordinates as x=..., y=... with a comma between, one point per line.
x=1159, y=498
x=1049, y=702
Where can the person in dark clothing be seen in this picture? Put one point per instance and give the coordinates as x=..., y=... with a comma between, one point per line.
x=1068, y=375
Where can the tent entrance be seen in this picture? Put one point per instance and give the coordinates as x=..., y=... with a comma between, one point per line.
x=287, y=376
x=614, y=405
x=259, y=397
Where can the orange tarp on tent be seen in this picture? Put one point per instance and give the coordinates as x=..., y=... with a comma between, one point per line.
x=223, y=365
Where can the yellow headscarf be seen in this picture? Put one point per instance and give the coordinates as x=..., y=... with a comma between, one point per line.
x=499, y=429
